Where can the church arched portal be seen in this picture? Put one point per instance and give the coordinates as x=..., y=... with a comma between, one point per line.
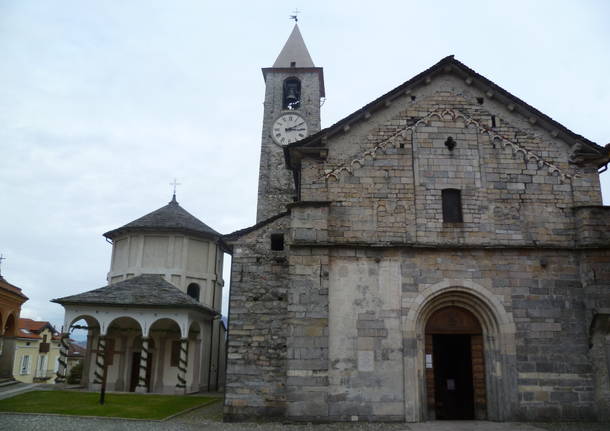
x=455, y=372
x=497, y=391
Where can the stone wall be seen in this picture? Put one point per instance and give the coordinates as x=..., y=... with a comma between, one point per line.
x=372, y=292
x=385, y=175
x=592, y=225
x=368, y=258
x=258, y=314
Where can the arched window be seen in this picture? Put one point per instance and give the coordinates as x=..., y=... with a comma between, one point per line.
x=452, y=206
x=193, y=291
x=291, y=94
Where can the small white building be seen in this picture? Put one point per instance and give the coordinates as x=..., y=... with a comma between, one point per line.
x=158, y=319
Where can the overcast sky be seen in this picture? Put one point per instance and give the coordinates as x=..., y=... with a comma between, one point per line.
x=103, y=103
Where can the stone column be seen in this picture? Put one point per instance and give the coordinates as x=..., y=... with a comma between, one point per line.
x=182, y=366
x=144, y=355
x=63, y=358
x=121, y=381
x=160, y=365
x=196, y=383
x=84, y=380
x=100, y=358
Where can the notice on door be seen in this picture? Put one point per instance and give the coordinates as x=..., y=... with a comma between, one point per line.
x=451, y=384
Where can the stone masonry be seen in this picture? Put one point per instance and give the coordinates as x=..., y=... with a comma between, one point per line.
x=332, y=327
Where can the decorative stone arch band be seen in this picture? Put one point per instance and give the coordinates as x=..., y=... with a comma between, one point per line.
x=499, y=346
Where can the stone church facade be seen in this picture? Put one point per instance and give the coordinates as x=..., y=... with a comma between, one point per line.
x=442, y=252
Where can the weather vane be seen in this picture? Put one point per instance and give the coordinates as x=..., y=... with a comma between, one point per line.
x=295, y=17
x=175, y=184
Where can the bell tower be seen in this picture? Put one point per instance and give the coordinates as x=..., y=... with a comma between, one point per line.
x=294, y=87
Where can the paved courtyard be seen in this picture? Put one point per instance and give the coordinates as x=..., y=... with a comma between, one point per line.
x=209, y=418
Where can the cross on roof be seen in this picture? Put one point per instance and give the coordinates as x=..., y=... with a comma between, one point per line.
x=175, y=183
x=1, y=259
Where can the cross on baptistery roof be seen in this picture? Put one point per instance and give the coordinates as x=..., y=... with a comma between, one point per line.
x=175, y=184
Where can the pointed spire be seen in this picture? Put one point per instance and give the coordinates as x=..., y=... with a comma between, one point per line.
x=294, y=53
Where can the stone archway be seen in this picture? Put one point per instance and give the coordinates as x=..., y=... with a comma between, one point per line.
x=10, y=327
x=498, y=339
x=91, y=328
x=119, y=339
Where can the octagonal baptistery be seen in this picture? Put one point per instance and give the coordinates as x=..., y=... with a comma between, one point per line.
x=156, y=326
x=173, y=243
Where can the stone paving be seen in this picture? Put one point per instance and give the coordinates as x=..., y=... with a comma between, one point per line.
x=209, y=418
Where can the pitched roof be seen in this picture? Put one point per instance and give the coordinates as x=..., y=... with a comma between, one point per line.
x=294, y=50
x=146, y=290
x=447, y=65
x=170, y=217
x=6, y=286
x=241, y=232
x=29, y=328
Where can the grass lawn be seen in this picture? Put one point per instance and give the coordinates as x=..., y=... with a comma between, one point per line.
x=139, y=406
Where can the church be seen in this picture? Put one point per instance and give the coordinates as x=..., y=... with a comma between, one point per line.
x=156, y=326
x=440, y=253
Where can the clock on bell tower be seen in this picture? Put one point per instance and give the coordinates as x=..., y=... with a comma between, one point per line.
x=294, y=87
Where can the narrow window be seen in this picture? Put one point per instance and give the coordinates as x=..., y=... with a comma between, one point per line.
x=291, y=94
x=452, y=206
x=25, y=364
x=44, y=338
x=293, y=64
x=193, y=291
x=493, y=121
x=480, y=100
x=42, y=366
x=277, y=241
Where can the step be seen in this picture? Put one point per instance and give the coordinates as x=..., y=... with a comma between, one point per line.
x=8, y=382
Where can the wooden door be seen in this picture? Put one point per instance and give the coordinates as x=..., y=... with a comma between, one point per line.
x=455, y=368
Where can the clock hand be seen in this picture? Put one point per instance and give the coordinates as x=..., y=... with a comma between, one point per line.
x=296, y=125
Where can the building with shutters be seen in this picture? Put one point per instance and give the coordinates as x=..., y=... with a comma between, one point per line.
x=36, y=352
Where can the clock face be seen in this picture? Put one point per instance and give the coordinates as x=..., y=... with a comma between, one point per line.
x=289, y=128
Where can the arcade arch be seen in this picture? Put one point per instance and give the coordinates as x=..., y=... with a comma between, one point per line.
x=497, y=343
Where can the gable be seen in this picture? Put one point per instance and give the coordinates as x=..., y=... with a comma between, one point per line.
x=386, y=174
x=477, y=84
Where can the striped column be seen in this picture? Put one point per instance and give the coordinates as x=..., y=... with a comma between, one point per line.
x=182, y=365
x=144, y=355
x=100, y=357
x=63, y=358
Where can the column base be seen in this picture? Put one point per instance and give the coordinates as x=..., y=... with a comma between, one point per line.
x=180, y=391
x=96, y=387
x=141, y=389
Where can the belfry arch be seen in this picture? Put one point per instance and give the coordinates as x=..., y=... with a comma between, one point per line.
x=497, y=332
